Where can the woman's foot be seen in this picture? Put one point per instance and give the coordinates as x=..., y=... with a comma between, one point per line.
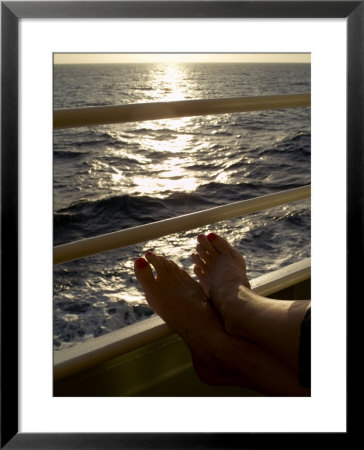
x=173, y=294
x=271, y=324
x=221, y=271
x=217, y=262
x=182, y=304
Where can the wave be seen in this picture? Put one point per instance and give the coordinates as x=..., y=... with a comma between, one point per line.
x=68, y=154
x=299, y=144
x=87, y=218
x=90, y=138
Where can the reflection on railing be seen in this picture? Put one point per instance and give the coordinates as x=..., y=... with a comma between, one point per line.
x=81, y=117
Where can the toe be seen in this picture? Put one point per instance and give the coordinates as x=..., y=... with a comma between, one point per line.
x=157, y=262
x=144, y=274
x=202, y=252
x=219, y=243
x=204, y=243
x=198, y=272
x=169, y=265
x=196, y=259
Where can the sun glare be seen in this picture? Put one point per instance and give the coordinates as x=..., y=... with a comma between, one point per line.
x=172, y=176
x=153, y=185
x=168, y=81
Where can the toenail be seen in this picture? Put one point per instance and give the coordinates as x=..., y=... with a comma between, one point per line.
x=211, y=236
x=148, y=253
x=200, y=235
x=141, y=263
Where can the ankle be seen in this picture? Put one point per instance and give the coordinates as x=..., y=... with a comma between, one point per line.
x=233, y=308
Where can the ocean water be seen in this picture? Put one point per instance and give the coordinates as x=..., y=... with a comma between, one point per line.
x=112, y=177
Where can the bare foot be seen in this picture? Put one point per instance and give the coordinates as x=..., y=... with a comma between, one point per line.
x=271, y=324
x=182, y=304
x=221, y=270
x=218, y=358
x=173, y=294
x=218, y=263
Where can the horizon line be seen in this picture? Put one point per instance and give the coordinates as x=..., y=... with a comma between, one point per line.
x=175, y=58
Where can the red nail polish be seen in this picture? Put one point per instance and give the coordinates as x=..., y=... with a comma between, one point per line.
x=148, y=253
x=211, y=237
x=141, y=263
x=200, y=236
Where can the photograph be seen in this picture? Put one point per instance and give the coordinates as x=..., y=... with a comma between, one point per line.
x=181, y=184
x=178, y=180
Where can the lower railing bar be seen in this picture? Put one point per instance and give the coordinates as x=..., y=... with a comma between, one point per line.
x=90, y=246
x=81, y=117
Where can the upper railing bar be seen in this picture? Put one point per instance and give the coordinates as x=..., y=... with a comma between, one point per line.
x=90, y=246
x=81, y=117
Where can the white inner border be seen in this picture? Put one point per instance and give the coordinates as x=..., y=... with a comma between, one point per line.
x=325, y=411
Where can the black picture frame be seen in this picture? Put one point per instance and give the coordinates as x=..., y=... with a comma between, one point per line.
x=11, y=13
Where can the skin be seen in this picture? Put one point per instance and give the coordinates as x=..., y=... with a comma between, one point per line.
x=271, y=324
x=219, y=358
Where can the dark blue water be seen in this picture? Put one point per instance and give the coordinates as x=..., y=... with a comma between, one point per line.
x=112, y=177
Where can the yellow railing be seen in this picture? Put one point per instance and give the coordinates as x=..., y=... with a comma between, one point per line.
x=141, y=233
x=151, y=111
x=102, y=115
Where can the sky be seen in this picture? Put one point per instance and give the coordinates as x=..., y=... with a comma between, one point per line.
x=107, y=58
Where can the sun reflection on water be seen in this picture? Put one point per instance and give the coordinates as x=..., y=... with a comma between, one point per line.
x=157, y=147
x=151, y=185
x=169, y=82
x=167, y=137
